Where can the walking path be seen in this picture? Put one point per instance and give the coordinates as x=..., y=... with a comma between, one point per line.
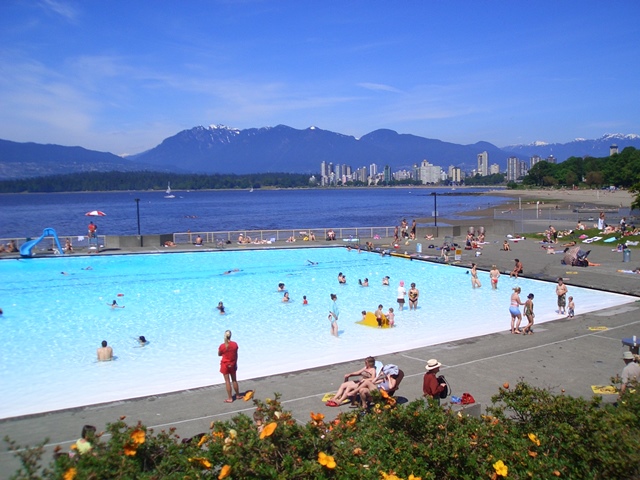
x=561, y=355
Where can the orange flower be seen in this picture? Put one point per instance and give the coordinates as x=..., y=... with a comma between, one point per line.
x=326, y=460
x=138, y=436
x=413, y=477
x=317, y=417
x=248, y=396
x=203, y=462
x=130, y=450
x=384, y=393
x=224, y=473
x=218, y=434
x=351, y=422
x=556, y=473
x=70, y=474
x=203, y=439
x=268, y=430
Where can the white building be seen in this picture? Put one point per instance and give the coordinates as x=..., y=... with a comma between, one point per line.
x=428, y=173
x=483, y=164
x=495, y=168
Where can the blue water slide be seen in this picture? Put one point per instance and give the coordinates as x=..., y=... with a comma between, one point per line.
x=26, y=249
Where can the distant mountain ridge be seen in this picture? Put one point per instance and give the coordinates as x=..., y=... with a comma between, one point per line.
x=579, y=147
x=221, y=149
x=23, y=160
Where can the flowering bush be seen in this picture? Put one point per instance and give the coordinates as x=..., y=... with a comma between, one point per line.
x=527, y=433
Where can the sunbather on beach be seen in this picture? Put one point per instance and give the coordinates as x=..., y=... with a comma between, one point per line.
x=350, y=387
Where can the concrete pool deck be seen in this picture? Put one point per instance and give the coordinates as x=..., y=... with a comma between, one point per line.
x=563, y=354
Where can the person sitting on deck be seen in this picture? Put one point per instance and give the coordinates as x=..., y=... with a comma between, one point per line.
x=350, y=387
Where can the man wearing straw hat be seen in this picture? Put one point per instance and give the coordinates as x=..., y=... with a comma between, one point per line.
x=630, y=372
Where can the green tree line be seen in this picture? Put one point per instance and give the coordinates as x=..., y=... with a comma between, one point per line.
x=621, y=170
x=109, y=181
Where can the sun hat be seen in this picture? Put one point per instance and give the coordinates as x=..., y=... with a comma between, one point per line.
x=432, y=365
x=627, y=355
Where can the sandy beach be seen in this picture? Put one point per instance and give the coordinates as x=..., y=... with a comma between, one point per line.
x=563, y=200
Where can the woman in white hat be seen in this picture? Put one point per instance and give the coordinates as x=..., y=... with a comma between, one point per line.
x=431, y=387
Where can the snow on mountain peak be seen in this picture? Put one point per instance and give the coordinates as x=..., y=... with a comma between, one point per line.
x=223, y=127
x=539, y=143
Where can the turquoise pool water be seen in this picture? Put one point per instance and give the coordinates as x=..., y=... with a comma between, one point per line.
x=53, y=323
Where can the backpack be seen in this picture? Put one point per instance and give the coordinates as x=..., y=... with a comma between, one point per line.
x=447, y=390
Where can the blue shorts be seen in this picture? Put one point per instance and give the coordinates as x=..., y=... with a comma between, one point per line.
x=515, y=311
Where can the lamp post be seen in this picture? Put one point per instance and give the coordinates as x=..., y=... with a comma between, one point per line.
x=435, y=211
x=138, y=215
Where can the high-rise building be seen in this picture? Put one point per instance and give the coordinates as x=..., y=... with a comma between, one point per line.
x=483, y=164
x=455, y=174
x=495, y=168
x=373, y=170
x=533, y=160
x=613, y=150
x=551, y=159
x=513, y=169
x=428, y=173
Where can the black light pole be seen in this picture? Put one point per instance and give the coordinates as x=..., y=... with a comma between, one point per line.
x=435, y=211
x=138, y=213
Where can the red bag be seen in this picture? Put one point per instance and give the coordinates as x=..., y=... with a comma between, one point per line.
x=467, y=399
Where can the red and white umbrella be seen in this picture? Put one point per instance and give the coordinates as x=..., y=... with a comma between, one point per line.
x=95, y=213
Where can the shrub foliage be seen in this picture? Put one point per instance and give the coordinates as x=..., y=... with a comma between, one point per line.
x=527, y=433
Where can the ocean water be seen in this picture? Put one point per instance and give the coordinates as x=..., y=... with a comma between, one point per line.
x=53, y=322
x=26, y=215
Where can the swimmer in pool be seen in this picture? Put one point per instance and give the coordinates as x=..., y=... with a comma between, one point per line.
x=229, y=272
x=285, y=299
x=114, y=304
x=385, y=280
x=312, y=263
x=142, y=341
x=105, y=353
x=220, y=307
x=304, y=300
x=281, y=287
x=364, y=283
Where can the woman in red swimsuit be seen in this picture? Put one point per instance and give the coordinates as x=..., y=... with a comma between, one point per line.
x=229, y=365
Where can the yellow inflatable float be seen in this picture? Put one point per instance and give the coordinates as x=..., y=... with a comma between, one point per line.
x=370, y=321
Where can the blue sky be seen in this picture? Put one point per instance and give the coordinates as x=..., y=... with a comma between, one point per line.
x=121, y=76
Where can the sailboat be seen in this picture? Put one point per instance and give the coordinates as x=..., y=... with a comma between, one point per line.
x=169, y=194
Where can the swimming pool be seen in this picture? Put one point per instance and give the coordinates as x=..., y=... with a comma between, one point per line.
x=53, y=322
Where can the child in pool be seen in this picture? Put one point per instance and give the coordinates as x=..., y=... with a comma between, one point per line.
x=220, y=307
x=391, y=317
x=572, y=306
x=304, y=300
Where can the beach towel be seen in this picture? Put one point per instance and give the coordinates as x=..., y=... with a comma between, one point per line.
x=609, y=240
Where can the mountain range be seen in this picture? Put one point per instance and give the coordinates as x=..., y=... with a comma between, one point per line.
x=220, y=149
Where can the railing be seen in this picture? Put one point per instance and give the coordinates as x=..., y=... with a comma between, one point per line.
x=222, y=237
x=270, y=236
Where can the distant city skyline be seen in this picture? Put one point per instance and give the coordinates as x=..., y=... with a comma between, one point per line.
x=121, y=77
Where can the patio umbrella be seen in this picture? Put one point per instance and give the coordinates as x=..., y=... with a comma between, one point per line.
x=95, y=213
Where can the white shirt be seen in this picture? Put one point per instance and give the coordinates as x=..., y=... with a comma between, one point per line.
x=401, y=292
